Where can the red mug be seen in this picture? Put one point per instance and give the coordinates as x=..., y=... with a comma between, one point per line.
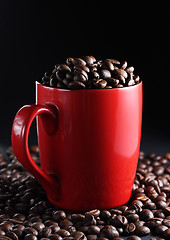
x=89, y=144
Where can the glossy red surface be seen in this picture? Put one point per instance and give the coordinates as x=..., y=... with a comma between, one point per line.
x=89, y=144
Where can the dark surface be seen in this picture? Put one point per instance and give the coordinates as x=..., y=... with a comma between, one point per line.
x=35, y=35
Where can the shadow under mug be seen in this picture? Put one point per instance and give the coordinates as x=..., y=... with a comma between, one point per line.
x=88, y=141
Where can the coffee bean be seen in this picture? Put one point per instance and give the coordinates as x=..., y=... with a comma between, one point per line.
x=109, y=232
x=130, y=228
x=12, y=235
x=142, y=231
x=166, y=234
x=120, y=221
x=133, y=237
x=30, y=237
x=78, y=235
x=58, y=215
x=95, y=212
x=146, y=214
x=38, y=226
x=107, y=64
x=120, y=72
x=78, y=62
x=89, y=60
x=104, y=73
x=76, y=85
x=160, y=229
x=100, y=83
x=63, y=233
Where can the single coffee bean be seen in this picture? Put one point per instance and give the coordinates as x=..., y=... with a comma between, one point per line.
x=30, y=237
x=12, y=235
x=95, y=212
x=107, y=64
x=78, y=235
x=104, y=73
x=58, y=215
x=133, y=237
x=76, y=85
x=78, y=62
x=142, y=231
x=109, y=232
x=89, y=59
x=146, y=214
x=160, y=229
x=118, y=72
x=100, y=83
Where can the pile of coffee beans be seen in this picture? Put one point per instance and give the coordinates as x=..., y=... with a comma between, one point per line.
x=88, y=73
x=26, y=213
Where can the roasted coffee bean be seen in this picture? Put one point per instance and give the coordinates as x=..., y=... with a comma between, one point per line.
x=132, y=217
x=99, y=83
x=78, y=62
x=104, y=73
x=107, y=64
x=12, y=235
x=95, y=212
x=120, y=72
x=31, y=230
x=109, y=232
x=142, y=231
x=76, y=85
x=130, y=228
x=160, y=230
x=78, y=235
x=133, y=237
x=113, y=82
x=63, y=233
x=146, y=214
x=89, y=60
x=120, y=221
x=58, y=215
x=166, y=234
x=30, y=237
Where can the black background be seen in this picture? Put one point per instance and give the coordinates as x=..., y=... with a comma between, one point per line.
x=35, y=35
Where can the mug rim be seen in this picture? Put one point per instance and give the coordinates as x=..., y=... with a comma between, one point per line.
x=91, y=90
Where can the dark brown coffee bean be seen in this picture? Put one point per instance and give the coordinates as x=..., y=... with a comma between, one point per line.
x=104, y=74
x=89, y=220
x=153, y=223
x=93, y=230
x=78, y=235
x=100, y=83
x=120, y=221
x=95, y=212
x=159, y=171
x=63, y=233
x=30, y=237
x=104, y=215
x=133, y=237
x=118, y=72
x=6, y=227
x=109, y=232
x=166, y=234
x=91, y=237
x=76, y=85
x=78, y=62
x=130, y=228
x=160, y=229
x=38, y=226
x=107, y=64
x=12, y=235
x=58, y=215
x=132, y=217
x=89, y=60
x=31, y=230
x=65, y=223
x=55, y=237
x=112, y=81
x=166, y=222
x=142, y=231
x=161, y=205
x=146, y=214
x=114, y=61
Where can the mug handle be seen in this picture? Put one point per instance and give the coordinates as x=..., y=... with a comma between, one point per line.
x=20, y=133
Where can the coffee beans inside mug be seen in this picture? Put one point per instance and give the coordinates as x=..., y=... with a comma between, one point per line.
x=89, y=73
x=26, y=213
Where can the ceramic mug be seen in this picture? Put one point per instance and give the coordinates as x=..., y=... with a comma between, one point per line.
x=88, y=141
